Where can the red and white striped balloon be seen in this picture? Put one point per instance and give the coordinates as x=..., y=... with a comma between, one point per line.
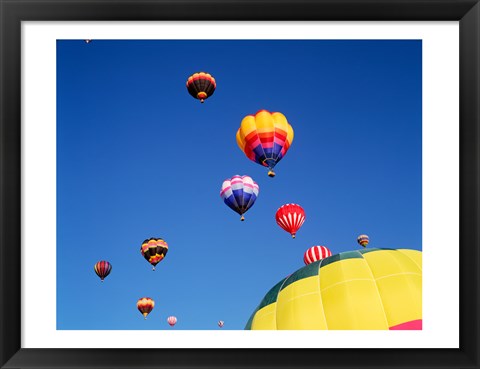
x=290, y=217
x=316, y=253
x=171, y=320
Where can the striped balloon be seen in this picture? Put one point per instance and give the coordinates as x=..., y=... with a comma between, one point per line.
x=154, y=250
x=363, y=240
x=172, y=320
x=316, y=253
x=239, y=193
x=201, y=85
x=265, y=138
x=290, y=217
x=220, y=323
x=145, y=305
x=102, y=268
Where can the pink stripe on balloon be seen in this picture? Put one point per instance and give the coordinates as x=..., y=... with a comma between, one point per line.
x=413, y=325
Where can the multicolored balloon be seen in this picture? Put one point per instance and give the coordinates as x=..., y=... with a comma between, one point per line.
x=172, y=320
x=265, y=138
x=221, y=323
x=154, y=250
x=145, y=305
x=201, y=85
x=316, y=253
x=290, y=217
x=239, y=193
x=102, y=268
x=363, y=240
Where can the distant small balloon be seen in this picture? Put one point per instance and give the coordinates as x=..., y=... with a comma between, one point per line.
x=102, y=268
x=201, y=85
x=145, y=305
x=172, y=320
x=88, y=41
x=220, y=323
x=363, y=240
x=316, y=253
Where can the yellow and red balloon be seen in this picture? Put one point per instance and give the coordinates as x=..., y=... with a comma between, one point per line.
x=265, y=138
x=145, y=305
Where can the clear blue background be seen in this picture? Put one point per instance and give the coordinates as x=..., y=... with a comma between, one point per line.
x=138, y=157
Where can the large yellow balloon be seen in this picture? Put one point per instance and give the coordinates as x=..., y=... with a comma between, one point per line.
x=369, y=289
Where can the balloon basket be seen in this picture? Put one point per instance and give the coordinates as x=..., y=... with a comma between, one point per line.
x=271, y=173
x=242, y=218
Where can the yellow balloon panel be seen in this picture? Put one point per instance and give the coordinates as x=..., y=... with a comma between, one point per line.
x=265, y=318
x=280, y=121
x=247, y=126
x=354, y=304
x=344, y=270
x=387, y=262
x=240, y=140
x=264, y=122
x=414, y=255
x=402, y=297
x=299, y=306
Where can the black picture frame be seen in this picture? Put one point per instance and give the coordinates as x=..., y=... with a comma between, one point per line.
x=13, y=12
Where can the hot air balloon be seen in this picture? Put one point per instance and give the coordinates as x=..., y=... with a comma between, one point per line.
x=239, y=193
x=220, y=323
x=145, y=305
x=316, y=253
x=172, y=320
x=368, y=289
x=88, y=41
x=154, y=250
x=102, y=268
x=290, y=217
x=201, y=85
x=363, y=240
x=265, y=138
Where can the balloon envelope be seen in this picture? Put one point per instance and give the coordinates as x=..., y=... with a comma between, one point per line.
x=265, y=138
x=290, y=217
x=201, y=85
x=172, y=320
x=145, y=305
x=363, y=240
x=239, y=193
x=102, y=268
x=316, y=253
x=154, y=250
x=369, y=289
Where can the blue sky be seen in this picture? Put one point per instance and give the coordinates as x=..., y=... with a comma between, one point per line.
x=138, y=157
